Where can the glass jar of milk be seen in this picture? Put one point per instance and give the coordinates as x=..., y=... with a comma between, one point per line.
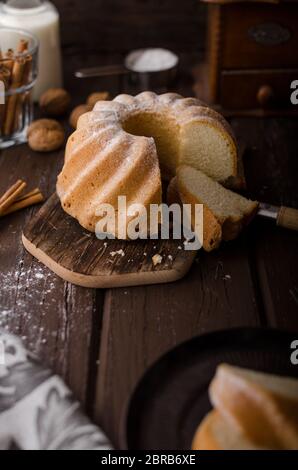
x=42, y=19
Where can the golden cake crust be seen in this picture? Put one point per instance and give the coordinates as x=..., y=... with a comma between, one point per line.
x=104, y=159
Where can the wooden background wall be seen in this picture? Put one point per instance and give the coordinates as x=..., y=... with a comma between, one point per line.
x=102, y=31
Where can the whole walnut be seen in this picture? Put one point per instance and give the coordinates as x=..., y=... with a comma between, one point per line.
x=54, y=102
x=77, y=112
x=97, y=96
x=45, y=135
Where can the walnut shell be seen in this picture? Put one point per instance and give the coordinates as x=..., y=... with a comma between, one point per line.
x=45, y=135
x=54, y=102
x=77, y=112
x=97, y=96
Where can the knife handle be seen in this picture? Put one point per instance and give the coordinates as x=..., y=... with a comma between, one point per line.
x=288, y=218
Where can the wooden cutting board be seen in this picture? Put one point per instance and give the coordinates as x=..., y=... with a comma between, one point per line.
x=76, y=255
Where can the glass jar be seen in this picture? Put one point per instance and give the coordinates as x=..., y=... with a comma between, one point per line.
x=40, y=18
x=18, y=73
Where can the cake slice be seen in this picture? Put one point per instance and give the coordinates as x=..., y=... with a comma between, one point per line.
x=212, y=233
x=215, y=433
x=264, y=407
x=225, y=212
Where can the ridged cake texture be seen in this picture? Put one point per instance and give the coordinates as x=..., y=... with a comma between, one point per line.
x=124, y=147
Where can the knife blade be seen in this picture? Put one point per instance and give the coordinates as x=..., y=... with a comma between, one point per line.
x=268, y=211
x=284, y=216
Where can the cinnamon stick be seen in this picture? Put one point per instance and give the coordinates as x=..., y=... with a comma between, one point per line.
x=4, y=74
x=7, y=62
x=22, y=46
x=13, y=199
x=4, y=77
x=27, y=69
x=16, y=82
x=10, y=190
x=22, y=98
x=25, y=196
x=25, y=202
x=18, y=74
x=11, y=195
x=9, y=59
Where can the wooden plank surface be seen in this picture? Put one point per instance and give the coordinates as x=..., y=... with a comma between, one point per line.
x=272, y=168
x=57, y=320
x=78, y=256
x=141, y=323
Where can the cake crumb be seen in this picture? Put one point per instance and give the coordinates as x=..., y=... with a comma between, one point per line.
x=170, y=257
x=156, y=259
x=119, y=252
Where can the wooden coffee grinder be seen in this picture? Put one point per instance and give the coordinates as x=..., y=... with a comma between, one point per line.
x=252, y=57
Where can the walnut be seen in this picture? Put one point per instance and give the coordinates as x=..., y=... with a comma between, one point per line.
x=54, y=102
x=45, y=135
x=98, y=96
x=77, y=112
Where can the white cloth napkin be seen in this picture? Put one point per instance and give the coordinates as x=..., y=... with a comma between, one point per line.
x=37, y=409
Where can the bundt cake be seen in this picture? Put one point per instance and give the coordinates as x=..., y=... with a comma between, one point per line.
x=124, y=147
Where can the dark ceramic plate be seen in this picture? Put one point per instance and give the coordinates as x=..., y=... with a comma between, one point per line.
x=172, y=397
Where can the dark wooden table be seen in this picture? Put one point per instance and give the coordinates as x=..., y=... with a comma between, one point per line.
x=100, y=341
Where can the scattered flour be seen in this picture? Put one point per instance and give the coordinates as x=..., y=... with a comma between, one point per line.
x=27, y=289
x=39, y=275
